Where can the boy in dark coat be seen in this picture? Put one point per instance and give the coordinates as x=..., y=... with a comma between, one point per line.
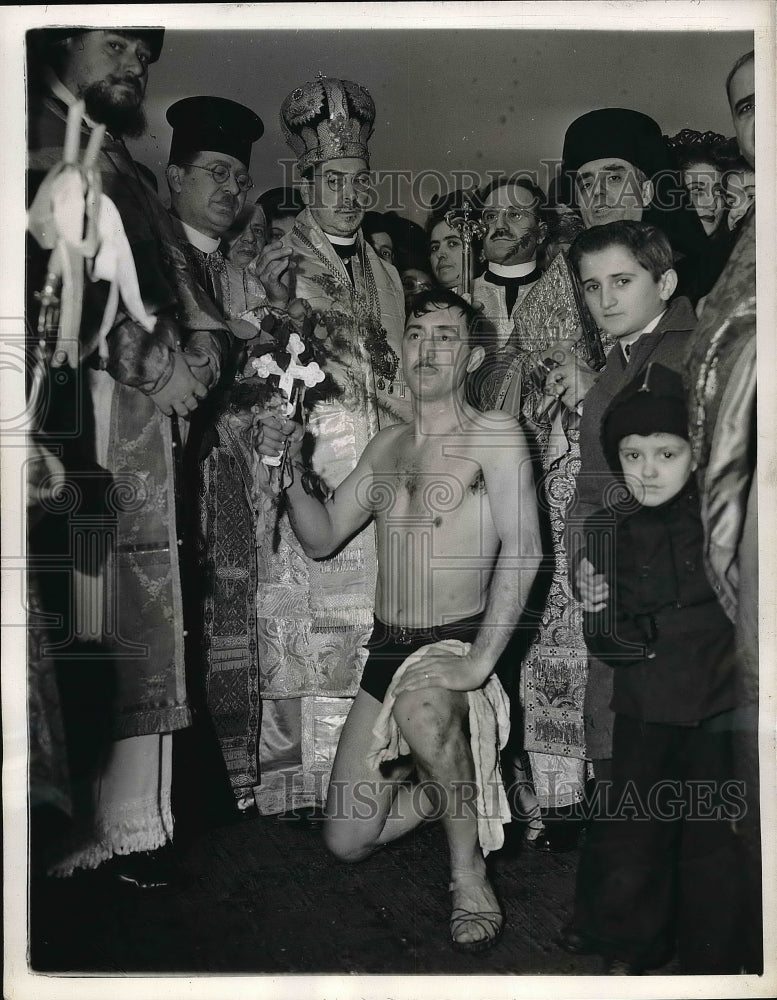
x=628, y=279
x=668, y=833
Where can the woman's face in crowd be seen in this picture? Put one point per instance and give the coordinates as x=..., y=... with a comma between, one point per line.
x=703, y=181
x=446, y=255
x=250, y=241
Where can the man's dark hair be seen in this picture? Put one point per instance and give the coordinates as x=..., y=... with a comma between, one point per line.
x=736, y=166
x=480, y=332
x=647, y=244
x=520, y=181
x=746, y=58
x=374, y=222
x=280, y=201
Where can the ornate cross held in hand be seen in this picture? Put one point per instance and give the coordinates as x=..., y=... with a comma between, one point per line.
x=308, y=375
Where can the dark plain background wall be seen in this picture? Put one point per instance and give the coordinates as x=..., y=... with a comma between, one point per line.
x=464, y=100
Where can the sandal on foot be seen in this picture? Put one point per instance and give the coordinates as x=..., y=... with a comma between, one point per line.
x=489, y=922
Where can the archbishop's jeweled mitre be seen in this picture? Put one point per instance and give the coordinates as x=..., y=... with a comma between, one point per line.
x=327, y=119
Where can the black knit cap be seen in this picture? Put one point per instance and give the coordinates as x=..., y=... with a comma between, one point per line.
x=44, y=38
x=213, y=123
x=653, y=403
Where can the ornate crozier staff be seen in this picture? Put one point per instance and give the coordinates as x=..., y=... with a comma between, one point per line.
x=468, y=228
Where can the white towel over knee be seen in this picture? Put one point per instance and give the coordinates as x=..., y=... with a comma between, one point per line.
x=489, y=725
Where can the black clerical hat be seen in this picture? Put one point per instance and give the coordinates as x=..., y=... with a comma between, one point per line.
x=42, y=39
x=617, y=132
x=213, y=123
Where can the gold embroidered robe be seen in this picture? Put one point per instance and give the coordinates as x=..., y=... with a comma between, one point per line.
x=313, y=617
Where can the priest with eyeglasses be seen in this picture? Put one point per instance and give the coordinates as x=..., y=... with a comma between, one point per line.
x=512, y=211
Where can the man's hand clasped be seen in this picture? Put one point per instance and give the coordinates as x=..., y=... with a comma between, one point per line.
x=187, y=385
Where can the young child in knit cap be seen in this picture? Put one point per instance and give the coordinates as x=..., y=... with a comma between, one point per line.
x=671, y=872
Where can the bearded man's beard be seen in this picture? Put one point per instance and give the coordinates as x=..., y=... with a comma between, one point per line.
x=122, y=115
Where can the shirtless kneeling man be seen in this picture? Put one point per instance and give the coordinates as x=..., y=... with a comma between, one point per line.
x=453, y=499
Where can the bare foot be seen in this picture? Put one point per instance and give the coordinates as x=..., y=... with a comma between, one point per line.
x=477, y=920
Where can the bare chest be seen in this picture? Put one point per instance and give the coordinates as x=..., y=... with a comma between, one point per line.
x=438, y=491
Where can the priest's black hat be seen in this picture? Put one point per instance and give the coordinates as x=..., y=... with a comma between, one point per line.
x=213, y=123
x=637, y=139
x=617, y=132
x=42, y=39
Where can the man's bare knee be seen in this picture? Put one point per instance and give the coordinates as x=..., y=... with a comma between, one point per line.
x=429, y=718
x=342, y=840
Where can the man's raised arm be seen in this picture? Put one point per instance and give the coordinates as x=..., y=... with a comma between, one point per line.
x=323, y=528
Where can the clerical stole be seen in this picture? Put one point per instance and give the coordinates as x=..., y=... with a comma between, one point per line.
x=227, y=520
x=229, y=620
x=554, y=670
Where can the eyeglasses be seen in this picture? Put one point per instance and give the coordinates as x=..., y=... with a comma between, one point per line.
x=490, y=215
x=335, y=181
x=221, y=174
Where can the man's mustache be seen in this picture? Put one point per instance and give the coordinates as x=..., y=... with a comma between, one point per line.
x=519, y=243
x=132, y=80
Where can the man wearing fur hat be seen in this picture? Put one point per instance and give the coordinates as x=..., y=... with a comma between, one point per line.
x=115, y=422
x=613, y=161
x=616, y=165
x=314, y=617
x=609, y=158
x=617, y=168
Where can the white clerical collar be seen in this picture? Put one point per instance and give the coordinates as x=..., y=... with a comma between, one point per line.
x=632, y=337
x=58, y=89
x=512, y=270
x=197, y=239
x=340, y=241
